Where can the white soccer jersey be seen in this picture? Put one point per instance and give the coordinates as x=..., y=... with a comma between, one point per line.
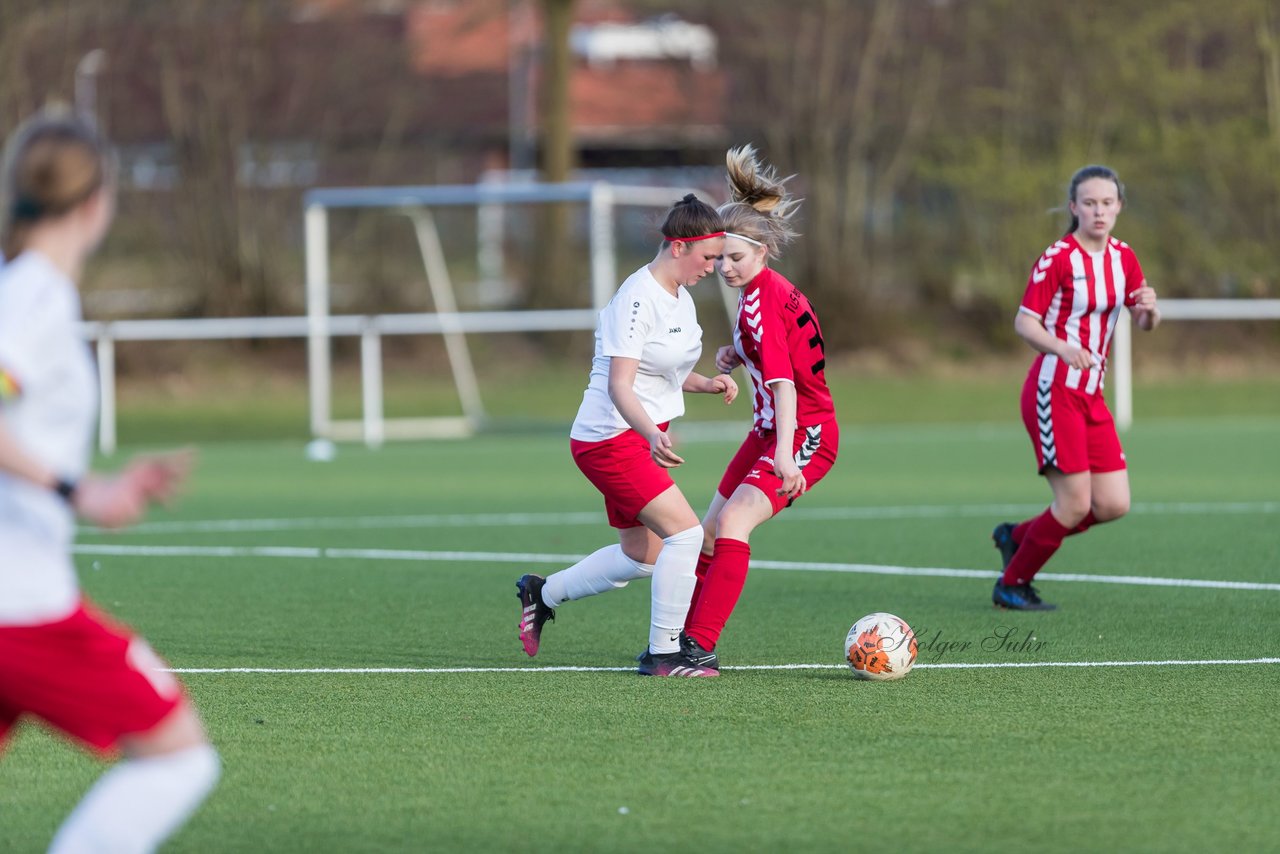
x=643, y=321
x=48, y=399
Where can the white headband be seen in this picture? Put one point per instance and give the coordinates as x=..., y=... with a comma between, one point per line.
x=744, y=237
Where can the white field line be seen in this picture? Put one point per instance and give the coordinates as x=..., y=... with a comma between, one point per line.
x=944, y=666
x=458, y=520
x=312, y=553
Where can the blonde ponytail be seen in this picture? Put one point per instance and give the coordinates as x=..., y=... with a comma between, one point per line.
x=759, y=206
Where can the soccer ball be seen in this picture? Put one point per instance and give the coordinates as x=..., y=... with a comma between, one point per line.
x=880, y=646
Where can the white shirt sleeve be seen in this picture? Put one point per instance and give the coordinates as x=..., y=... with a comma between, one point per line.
x=25, y=330
x=627, y=323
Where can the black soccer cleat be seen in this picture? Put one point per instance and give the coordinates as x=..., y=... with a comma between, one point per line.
x=1018, y=597
x=672, y=664
x=694, y=652
x=533, y=611
x=1002, y=536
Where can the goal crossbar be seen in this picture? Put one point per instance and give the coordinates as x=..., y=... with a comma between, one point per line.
x=416, y=203
x=1176, y=309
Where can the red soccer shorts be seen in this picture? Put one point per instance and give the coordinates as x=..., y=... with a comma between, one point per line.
x=85, y=675
x=624, y=472
x=815, y=452
x=1070, y=431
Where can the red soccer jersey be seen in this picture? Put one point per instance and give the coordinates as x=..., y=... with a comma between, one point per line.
x=1077, y=295
x=778, y=338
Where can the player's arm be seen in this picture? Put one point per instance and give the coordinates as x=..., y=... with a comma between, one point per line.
x=784, y=421
x=23, y=329
x=1146, y=313
x=622, y=391
x=106, y=501
x=1030, y=328
x=1048, y=276
x=720, y=384
x=18, y=463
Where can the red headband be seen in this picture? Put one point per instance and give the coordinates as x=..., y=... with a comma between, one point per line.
x=694, y=239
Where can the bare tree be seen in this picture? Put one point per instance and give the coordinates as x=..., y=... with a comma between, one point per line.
x=554, y=284
x=209, y=73
x=839, y=94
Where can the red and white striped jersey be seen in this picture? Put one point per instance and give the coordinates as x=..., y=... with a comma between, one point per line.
x=779, y=340
x=1077, y=295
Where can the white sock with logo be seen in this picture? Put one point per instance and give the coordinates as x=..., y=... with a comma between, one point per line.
x=606, y=569
x=673, y=580
x=139, y=803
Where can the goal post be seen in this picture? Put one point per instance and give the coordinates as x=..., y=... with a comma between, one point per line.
x=417, y=203
x=1176, y=309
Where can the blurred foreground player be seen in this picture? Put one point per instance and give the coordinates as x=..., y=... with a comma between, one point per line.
x=61, y=660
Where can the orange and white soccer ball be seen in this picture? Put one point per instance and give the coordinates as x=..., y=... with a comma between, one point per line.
x=880, y=646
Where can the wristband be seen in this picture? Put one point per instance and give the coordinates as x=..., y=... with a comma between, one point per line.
x=66, y=488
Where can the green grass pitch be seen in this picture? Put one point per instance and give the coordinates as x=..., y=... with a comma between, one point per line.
x=405, y=558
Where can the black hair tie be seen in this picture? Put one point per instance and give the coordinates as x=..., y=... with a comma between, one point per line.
x=26, y=208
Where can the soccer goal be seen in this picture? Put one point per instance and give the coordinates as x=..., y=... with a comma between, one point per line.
x=417, y=203
x=1176, y=309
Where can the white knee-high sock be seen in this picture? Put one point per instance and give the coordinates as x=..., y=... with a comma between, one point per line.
x=139, y=803
x=673, y=580
x=599, y=571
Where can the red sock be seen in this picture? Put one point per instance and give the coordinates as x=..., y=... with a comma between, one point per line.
x=1085, y=524
x=700, y=573
x=1019, y=532
x=1044, y=534
x=726, y=577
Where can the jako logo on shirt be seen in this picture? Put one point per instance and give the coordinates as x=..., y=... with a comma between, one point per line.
x=673, y=330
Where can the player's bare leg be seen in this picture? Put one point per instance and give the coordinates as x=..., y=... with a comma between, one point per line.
x=1109, y=495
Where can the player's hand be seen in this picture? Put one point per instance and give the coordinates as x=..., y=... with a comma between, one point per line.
x=1076, y=357
x=159, y=476
x=727, y=359
x=1144, y=298
x=1145, y=312
x=724, y=384
x=660, y=450
x=119, y=500
x=793, y=482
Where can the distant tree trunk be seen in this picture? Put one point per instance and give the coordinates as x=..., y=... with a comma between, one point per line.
x=1270, y=44
x=208, y=85
x=557, y=281
x=17, y=20
x=843, y=99
x=557, y=135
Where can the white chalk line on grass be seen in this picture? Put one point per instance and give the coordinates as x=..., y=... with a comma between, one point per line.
x=458, y=520
x=988, y=665
x=315, y=553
